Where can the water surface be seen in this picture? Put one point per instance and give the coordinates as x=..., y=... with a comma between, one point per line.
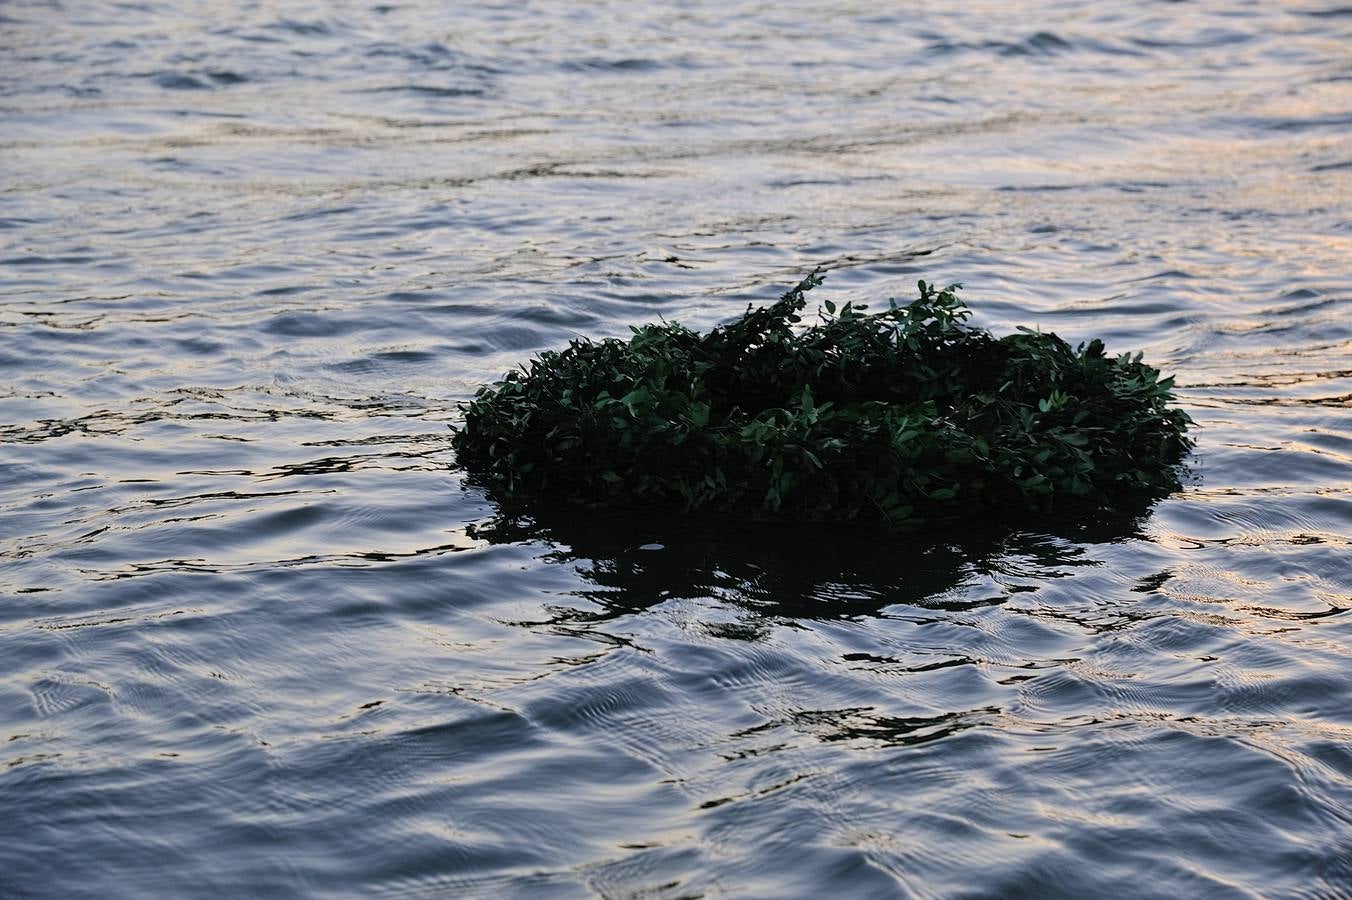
x=258, y=638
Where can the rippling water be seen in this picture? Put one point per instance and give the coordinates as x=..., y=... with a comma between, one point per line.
x=258, y=639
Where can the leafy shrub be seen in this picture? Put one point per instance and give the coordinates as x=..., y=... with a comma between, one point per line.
x=908, y=416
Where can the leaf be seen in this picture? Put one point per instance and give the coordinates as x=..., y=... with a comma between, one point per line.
x=857, y=416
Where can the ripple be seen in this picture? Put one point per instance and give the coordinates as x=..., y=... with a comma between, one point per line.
x=255, y=256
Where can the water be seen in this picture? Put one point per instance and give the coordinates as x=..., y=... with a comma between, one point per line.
x=258, y=639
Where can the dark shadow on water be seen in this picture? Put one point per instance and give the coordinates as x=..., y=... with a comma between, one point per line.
x=636, y=560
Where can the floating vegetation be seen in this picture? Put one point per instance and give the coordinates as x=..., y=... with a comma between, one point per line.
x=908, y=416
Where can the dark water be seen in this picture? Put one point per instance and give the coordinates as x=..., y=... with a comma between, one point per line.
x=257, y=639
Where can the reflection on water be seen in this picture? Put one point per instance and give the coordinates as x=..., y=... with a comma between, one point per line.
x=258, y=636
x=786, y=571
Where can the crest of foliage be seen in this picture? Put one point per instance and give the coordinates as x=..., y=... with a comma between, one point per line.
x=907, y=416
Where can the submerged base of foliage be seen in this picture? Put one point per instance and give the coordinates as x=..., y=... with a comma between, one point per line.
x=907, y=416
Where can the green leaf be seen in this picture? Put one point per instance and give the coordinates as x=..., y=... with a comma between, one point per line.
x=855, y=417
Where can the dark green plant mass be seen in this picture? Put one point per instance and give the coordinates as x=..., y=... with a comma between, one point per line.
x=908, y=416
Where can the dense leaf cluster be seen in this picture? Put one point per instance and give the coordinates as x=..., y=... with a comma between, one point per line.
x=908, y=416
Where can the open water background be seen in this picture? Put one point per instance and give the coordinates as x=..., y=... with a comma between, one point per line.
x=258, y=639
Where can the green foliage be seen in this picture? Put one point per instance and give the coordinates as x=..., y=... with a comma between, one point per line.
x=908, y=416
